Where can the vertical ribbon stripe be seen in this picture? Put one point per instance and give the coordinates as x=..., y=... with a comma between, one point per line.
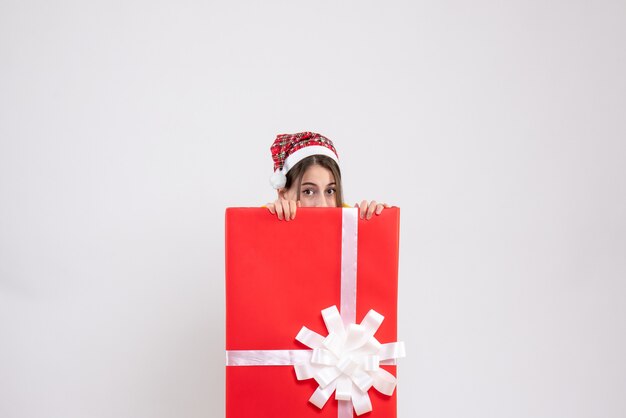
x=349, y=247
x=344, y=409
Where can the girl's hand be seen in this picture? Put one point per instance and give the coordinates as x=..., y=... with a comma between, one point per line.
x=284, y=209
x=366, y=211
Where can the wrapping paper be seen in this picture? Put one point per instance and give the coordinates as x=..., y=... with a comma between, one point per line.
x=279, y=275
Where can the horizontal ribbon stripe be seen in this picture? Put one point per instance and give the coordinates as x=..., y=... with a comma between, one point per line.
x=267, y=357
x=392, y=351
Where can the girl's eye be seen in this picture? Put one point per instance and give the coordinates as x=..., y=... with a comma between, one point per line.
x=307, y=192
x=330, y=191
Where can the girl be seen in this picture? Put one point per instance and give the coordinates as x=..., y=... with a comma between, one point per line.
x=306, y=174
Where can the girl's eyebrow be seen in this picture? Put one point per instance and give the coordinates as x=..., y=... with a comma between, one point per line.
x=313, y=184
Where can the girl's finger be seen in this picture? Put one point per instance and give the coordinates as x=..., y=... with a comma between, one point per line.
x=279, y=210
x=379, y=208
x=362, y=208
x=292, y=208
x=285, y=204
x=270, y=207
x=299, y=204
x=370, y=210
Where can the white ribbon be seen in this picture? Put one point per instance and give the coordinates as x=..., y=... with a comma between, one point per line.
x=266, y=357
x=349, y=247
x=347, y=360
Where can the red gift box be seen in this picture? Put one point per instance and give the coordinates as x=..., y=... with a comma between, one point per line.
x=279, y=276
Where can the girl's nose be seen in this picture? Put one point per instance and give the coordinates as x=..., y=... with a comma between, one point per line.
x=321, y=203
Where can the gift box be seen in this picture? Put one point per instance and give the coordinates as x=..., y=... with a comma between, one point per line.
x=287, y=282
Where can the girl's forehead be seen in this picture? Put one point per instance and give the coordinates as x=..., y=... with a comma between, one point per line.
x=318, y=175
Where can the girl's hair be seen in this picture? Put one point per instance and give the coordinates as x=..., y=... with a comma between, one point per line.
x=295, y=174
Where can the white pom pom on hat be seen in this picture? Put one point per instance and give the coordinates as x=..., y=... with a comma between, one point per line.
x=289, y=149
x=278, y=180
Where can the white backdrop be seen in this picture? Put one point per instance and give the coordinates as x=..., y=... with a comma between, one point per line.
x=498, y=127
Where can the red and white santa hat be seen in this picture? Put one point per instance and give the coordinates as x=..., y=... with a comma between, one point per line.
x=289, y=149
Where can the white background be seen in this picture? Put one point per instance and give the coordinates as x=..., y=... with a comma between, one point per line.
x=498, y=127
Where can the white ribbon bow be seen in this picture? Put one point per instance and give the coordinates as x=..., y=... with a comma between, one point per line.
x=347, y=360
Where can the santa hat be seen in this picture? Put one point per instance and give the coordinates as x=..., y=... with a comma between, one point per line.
x=289, y=149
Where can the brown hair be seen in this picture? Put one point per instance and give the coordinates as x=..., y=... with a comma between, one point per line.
x=295, y=174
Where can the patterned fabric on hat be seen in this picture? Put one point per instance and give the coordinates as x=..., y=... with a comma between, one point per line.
x=287, y=144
